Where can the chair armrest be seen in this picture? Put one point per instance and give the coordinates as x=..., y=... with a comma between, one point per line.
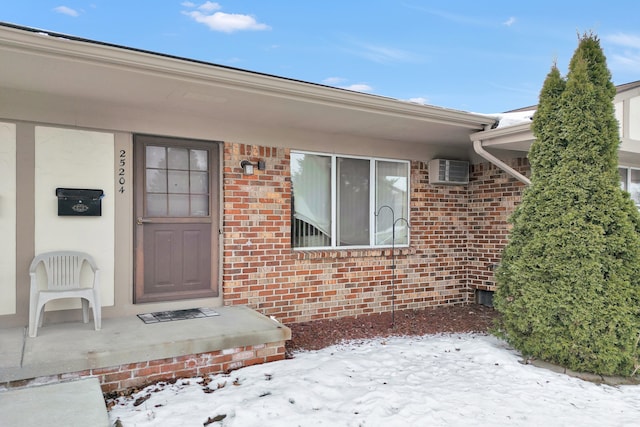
x=96, y=278
x=33, y=284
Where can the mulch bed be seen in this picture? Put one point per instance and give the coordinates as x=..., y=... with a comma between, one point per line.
x=318, y=334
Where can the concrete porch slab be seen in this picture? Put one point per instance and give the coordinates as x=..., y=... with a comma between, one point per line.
x=74, y=403
x=72, y=347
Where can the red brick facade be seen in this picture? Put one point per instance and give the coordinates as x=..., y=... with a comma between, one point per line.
x=135, y=375
x=457, y=233
x=493, y=196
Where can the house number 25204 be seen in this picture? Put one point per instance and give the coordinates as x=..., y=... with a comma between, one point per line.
x=121, y=170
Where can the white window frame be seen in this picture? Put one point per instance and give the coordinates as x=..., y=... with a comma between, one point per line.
x=372, y=202
x=627, y=184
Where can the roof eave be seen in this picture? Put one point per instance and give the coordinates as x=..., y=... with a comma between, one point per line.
x=49, y=44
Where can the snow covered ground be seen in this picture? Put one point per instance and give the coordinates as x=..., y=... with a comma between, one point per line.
x=437, y=380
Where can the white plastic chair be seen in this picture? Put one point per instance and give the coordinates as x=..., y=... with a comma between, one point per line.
x=62, y=269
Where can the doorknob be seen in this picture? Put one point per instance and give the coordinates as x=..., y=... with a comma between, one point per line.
x=141, y=220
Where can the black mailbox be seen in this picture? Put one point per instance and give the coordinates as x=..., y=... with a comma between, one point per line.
x=79, y=202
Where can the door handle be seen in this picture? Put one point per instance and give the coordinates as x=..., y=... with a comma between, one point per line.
x=140, y=220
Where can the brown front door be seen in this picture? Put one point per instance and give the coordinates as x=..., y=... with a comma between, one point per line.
x=176, y=213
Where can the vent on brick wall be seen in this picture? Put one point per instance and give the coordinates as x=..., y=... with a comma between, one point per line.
x=451, y=172
x=484, y=297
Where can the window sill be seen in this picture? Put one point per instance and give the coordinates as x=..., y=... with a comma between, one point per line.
x=351, y=253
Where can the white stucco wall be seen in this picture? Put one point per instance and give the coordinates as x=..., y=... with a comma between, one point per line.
x=8, y=218
x=634, y=114
x=71, y=158
x=619, y=113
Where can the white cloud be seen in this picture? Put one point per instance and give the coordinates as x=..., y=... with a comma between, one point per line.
x=359, y=87
x=419, y=100
x=625, y=50
x=458, y=19
x=339, y=83
x=209, y=6
x=627, y=60
x=382, y=54
x=220, y=21
x=232, y=60
x=333, y=81
x=187, y=4
x=625, y=40
x=509, y=22
x=67, y=11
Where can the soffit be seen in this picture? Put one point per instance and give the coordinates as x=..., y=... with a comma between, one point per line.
x=59, y=66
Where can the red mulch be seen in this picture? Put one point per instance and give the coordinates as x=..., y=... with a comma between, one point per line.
x=318, y=334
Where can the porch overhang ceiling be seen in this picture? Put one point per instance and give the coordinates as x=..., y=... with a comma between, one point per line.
x=41, y=64
x=520, y=138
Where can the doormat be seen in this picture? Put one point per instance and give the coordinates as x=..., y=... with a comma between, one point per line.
x=169, y=316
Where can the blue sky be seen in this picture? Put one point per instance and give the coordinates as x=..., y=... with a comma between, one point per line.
x=475, y=56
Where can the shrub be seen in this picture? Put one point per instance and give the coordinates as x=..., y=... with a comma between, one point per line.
x=569, y=279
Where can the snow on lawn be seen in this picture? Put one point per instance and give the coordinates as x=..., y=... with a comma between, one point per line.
x=435, y=380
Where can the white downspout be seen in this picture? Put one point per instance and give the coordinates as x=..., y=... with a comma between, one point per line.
x=479, y=149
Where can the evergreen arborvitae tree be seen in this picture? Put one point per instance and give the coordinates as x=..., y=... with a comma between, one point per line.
x=569, y=280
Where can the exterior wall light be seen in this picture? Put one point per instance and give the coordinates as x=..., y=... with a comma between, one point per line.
x=247, y=166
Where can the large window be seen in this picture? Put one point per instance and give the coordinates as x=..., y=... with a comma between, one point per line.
x=341, y=201
x=630, y=181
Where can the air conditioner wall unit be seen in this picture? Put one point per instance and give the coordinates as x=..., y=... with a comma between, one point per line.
x=450, y=172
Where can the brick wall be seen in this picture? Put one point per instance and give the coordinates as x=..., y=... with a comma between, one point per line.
x=261, y=270
x=493, y=196
x=135, y=375
x=439, y=233
x=457, y=236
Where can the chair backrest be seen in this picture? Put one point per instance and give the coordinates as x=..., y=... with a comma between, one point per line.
x=62, y=268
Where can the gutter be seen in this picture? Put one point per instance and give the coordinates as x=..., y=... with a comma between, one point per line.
x=479, y=149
